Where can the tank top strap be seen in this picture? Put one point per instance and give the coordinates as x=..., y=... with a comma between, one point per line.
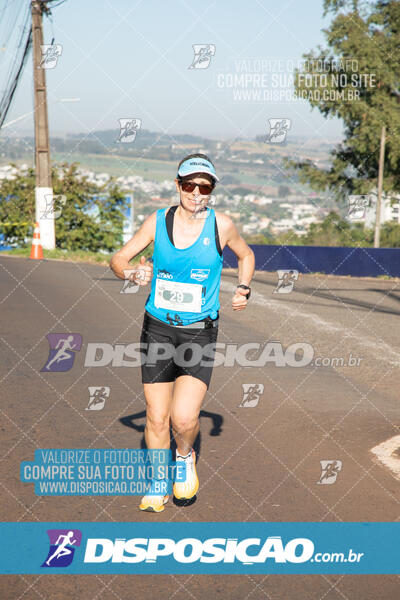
x=160, y=217
x=209, y=229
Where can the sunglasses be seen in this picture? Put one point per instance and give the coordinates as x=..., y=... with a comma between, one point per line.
x=190, y=186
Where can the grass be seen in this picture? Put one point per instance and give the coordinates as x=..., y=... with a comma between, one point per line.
x=73, y=255
x=99, y=258
x=151, y=169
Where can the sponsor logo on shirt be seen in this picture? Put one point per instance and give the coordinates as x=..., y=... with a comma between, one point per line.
x=199, y=274
x=163, y=274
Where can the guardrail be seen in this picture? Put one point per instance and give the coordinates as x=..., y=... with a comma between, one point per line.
x=359, y=262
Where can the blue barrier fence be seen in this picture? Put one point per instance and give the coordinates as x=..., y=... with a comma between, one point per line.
x=359, y=262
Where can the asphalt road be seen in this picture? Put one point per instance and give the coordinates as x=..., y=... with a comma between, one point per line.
x=256, y=463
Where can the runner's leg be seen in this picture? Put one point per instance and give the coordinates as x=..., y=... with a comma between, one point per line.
x=158, y=405
x=188, y=396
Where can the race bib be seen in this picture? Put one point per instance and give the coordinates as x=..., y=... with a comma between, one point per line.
x=173, y=295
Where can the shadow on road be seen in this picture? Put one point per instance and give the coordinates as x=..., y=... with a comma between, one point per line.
x=330, y=294
x=216, y=429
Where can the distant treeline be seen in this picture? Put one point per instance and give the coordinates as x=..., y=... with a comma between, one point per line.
x=333, y=231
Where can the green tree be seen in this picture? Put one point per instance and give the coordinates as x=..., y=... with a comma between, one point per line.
x=17, y=207
x=390, y=235
x=335, y=231
x=364, y=50
x=91, y=219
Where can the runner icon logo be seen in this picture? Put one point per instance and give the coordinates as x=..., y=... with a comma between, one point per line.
x=358, y=205
x=62, y=351
x=98, y=397
x=62, y=550
x=330, y=470
x=128, y=130
x=251, y=394
x=50, y=55
x=54, y=206
x=278, y=130
x=202, y=55
x=130, y=286
x=286, y=279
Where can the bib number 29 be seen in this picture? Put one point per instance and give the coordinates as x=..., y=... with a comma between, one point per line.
x=174, y=295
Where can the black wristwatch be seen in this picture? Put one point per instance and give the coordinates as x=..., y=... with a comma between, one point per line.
x=245, y=287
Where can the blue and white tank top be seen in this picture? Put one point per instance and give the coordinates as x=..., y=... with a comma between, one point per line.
x=186, y=281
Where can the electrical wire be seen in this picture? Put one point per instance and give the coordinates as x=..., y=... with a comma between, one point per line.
x=16, y=62
x=17, y=54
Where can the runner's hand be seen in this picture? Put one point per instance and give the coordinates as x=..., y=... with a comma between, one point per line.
x=239, y=300
x=144, y=272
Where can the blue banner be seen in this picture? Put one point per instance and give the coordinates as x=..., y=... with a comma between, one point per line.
x=200, y=548
x=358, y=262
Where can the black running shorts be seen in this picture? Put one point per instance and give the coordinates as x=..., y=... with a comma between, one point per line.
x=169, y=352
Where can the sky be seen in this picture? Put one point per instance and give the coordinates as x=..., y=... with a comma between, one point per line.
x=131, y=59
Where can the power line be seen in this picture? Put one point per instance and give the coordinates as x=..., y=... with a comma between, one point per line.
x=55, y=5
x=10, y=24
x=19, y=52
x=16, y=68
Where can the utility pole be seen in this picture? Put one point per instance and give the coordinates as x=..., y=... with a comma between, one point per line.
x=380, y=184
x=43, y=189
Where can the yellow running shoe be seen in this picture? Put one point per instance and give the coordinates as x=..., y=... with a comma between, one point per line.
x=153, y=502
x=185, y=490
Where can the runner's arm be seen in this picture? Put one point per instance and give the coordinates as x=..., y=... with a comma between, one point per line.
x=142, y=238
x=245, y=255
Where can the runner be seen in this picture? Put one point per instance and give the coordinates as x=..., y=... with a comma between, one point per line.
x=182, y=308
x=62, y=549
x=62, y=353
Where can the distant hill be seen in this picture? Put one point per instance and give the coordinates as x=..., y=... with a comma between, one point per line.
x=144, y=139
